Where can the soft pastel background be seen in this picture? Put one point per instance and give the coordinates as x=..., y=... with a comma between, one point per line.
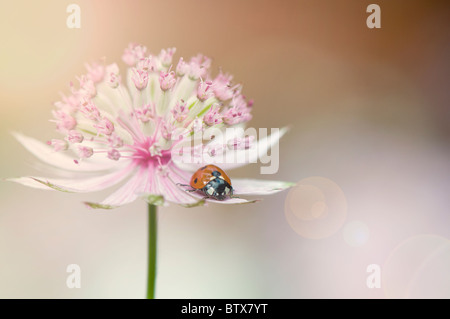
x=370, y=118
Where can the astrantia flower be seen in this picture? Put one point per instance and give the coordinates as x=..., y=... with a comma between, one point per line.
x=130, y=127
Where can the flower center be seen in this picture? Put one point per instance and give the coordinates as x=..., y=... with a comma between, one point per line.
x=148, y=153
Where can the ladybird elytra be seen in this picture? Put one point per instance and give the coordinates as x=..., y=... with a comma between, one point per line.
x=212, y=181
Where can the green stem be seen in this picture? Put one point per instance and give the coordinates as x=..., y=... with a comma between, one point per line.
x=152, y=235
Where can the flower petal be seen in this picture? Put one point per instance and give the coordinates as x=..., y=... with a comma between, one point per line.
x=238, y=157
x=153, y=186
x=234, y=200
x=244, y=157
x=173, y=192
x=46, y=154
x=258, y=187
x=34, y=182
x=97, y=205
x=128, y=192
x=80, y=185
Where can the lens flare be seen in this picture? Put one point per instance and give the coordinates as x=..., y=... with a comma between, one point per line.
x=418, y=268
x=316, y=207
x=356, y=233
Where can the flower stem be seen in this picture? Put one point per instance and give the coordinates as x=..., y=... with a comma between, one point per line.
x=152, y=236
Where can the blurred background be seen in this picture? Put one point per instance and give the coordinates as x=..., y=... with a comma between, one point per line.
x=369, y=147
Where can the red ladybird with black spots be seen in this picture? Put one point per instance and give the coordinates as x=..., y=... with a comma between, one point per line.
x=212, y=181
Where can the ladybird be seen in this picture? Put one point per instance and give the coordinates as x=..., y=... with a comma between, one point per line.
x=211, y=181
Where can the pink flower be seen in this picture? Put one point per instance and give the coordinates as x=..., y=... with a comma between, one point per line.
x=213, y=116
x=199, y=66
x=114, y=154
x=58, y=145
x=133, y=54
x=180, y=111
x=204, y=90
x=89, y=110
x=113, y=78
x=146, y=113
x=165, y=57
x=115, y=141
x=87, y=86
x=84, y=151
x=167, y=80
x=146, y=64
x=140, y=78
x=74, y=137
x=239, y=143
x=166, y=130
x=182, y=67
x=232, y=116
x=129, y=132
x=104, y=126
x=222, y=87
x=64, y=121
x=96, y=72
x=215, y=149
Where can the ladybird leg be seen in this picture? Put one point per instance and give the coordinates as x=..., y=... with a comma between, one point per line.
x=187, y=190
x=206, y=196
x=179, y=184
x=232, y=195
